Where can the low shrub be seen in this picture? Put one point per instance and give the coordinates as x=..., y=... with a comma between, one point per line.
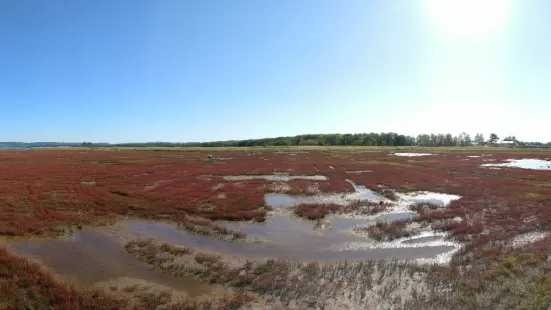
x=316, y=211
x=387, y=231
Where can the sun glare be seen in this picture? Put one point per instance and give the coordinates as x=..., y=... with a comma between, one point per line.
x=469, y=18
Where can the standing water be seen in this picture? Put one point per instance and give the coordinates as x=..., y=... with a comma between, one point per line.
x=85, y=258
x=289, y=238
x=525, y=163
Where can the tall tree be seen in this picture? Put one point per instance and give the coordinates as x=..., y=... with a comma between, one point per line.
x=448, y=140
x=467, y=139
x=493, y=138
x=423, y=140
x=460, y=139
x=463, y=139
x=479, y=138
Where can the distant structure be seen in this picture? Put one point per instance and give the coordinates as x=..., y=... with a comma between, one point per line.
x=509, y=143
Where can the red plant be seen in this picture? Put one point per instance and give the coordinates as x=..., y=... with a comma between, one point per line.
x=387, y=231
x=41, y=191
x=316, y=211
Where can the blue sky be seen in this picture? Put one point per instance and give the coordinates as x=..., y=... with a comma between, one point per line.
x=131, y=70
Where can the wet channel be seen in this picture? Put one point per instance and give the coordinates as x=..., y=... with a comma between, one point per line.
x=289, y=238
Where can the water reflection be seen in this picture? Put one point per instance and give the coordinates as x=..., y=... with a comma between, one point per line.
x=289, y=238
x=525, y=163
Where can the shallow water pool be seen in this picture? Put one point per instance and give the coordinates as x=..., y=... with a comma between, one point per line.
x=525, y=163
x=290, y=238
x=396, y=216
x=87, y=257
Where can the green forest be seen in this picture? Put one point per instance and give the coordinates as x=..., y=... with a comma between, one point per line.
x=362, y=139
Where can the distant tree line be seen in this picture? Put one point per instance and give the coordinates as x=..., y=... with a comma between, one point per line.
x=375, y=139
x=361, y=139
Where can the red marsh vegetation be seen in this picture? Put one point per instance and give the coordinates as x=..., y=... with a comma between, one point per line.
x=44, y=192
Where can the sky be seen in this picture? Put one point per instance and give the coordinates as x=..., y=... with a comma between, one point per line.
x=182, y=71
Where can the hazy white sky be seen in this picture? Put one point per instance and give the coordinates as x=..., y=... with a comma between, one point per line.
x=215, y=70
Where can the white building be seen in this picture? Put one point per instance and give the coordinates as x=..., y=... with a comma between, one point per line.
x=509, y=143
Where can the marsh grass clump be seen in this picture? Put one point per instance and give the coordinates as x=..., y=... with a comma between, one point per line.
x=320, y=211
x=308, y=285
x=387, y=231
x=386, y=192
x=514, y=280
x=389, y=194
x=206, y=258
x=152, y=300
x=424, y=207
x=366, y=207
x=209, y=228
x=146, y=250
x=176, y=250
x=316, y=211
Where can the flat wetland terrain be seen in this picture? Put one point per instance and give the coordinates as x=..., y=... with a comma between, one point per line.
x=275, y=228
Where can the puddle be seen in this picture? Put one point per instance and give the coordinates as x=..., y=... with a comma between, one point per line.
x=440, y=199
x=276, y=200
x=391, y=217
x=343, y=224
x=88, y=257
x=361, y=193
x=427, y=242
x=412, y=154
x=427, y=247
x=289, y=238
x=399, y=209
x=525, y=163
x=280, y=234
x=275, y=177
